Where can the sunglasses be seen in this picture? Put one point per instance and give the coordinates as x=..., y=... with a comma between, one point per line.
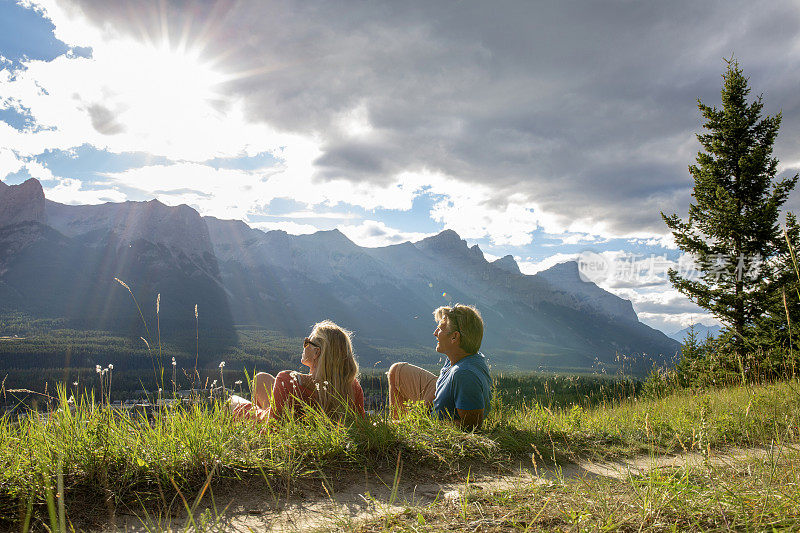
x=308, y=341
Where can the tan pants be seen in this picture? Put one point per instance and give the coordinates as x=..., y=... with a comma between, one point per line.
x=410, y=383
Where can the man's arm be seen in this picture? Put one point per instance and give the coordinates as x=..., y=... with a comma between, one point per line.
x=469, y=399
x=469, y=419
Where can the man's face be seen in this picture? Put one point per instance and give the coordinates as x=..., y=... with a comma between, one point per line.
x=446, y=340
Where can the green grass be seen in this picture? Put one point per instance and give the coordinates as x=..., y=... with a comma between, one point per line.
x=755, y=494
x=687, y=420
x=125, y=461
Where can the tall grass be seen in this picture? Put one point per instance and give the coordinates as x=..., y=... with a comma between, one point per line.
x=125, y=458
x=688, y=420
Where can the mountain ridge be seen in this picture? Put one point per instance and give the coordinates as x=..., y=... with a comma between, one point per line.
x=701, y=330
x=287, y=282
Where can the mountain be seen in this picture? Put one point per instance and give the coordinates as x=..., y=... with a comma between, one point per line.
x=179, y=228
x=61, y=260
x=565, y=278
x=289, y=282
x=700, y=330
x=21, y=203
x=508, y=264
x=386, y=294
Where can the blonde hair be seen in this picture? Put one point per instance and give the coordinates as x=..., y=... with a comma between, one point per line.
x=336, y=367
x=467, y=321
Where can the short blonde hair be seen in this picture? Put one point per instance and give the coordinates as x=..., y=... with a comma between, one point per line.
x=467, y=321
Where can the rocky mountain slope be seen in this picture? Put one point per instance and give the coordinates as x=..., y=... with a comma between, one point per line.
x=60, y=260
x=21, y=203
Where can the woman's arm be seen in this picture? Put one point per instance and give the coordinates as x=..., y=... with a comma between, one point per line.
x=286, y=391
x=358, y=398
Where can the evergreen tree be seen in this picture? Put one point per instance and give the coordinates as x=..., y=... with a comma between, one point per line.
x=691, y=358
x=732, y=230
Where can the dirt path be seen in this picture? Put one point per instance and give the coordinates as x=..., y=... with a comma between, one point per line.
x=344, y=500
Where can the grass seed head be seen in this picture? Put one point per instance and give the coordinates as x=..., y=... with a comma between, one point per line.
x=123, y=284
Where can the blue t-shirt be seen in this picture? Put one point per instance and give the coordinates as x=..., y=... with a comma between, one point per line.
x=465, y=385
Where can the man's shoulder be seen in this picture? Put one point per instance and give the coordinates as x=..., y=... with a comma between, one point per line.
x=471, y=366
x=476, y=361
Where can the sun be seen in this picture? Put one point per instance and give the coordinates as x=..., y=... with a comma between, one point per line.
x=182, y=75
x=160, y=92
x=171, y=84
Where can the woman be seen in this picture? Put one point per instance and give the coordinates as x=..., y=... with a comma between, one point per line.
x=330, y=384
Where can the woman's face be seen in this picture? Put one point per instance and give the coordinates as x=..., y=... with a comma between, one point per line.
x=311, y=351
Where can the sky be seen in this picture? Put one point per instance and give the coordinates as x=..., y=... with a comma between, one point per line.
x=551, y=131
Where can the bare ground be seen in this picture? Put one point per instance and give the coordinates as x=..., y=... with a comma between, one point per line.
x=342, y=500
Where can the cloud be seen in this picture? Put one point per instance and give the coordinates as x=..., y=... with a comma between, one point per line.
x=9, y=162
x=103, y=120
x=586, y=112
x=532, y=267
x=71, y=191
x=580, y=238
x=38, y=171
x=471, y=214
x=331, y=215
x=373, y=233
x=224, y=193
x=564, y=117
x=285, y=225
x=662, y=300
x=129, y=95
x=671, y=323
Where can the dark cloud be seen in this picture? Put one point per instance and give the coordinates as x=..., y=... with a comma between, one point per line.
x=375, y=231
x=586, y=108
x=351, y=160
x=103, y=120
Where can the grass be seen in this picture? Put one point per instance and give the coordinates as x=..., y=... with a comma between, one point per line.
x=749, y=416
x=756, y=494
x=125, y=461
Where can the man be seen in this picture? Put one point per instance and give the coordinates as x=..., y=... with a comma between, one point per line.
x=463, y=390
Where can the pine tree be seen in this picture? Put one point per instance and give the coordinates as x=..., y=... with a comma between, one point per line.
x=733, y=229
x=691, y=358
